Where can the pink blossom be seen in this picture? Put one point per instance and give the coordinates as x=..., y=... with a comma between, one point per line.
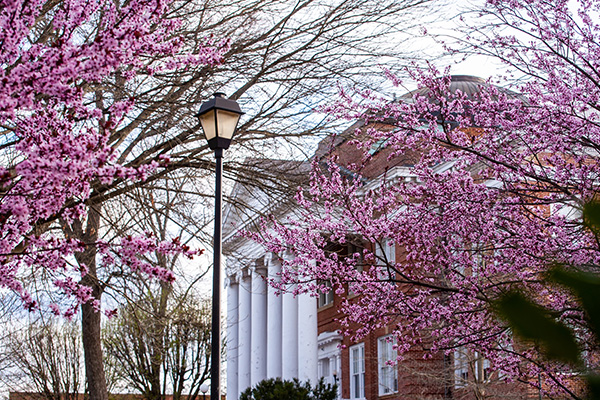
x=59, y=140
x=492, y=197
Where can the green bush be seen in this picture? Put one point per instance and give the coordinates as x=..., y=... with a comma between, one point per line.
x=277, y=389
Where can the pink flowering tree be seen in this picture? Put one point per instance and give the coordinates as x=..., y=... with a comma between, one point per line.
x=56, y=145
x=480, y=194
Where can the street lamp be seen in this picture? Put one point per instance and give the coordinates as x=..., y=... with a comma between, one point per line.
x=219, y=118
x=204, y=389
x=335, y=381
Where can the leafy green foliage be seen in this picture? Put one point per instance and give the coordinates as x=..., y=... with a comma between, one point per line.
x=533, y=322
x=277, y=389
x=591, y=216
x=586, y=287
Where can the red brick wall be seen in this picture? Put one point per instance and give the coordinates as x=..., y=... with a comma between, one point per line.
x=419, y=377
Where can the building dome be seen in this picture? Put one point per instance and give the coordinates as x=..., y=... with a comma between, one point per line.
x=471, y=86
x=467, y=84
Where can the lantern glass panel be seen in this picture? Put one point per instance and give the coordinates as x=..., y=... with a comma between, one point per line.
x=227, y=122
x=207, y=120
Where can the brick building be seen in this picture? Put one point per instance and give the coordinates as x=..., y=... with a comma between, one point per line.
x=82, y=396
x=298, y=337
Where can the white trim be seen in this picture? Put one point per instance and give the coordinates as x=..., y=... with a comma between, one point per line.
x=330, y=349
x=387, y=372
x=325, y=298
x=357, y=371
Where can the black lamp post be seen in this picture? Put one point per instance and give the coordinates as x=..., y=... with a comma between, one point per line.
x=219, y=118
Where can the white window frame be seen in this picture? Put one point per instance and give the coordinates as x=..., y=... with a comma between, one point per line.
x=470, y=366
x=389, y=250
x=326, y=298
x=359, y=267
x=330, y=346
x=481, y=369
x=325, y=370
x=354, y=249
x=389, y=254
x=461, y=367
x=357, y=371
x=387, y=371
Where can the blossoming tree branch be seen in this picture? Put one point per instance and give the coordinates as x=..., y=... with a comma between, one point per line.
x=492, y=200
x=56, y=144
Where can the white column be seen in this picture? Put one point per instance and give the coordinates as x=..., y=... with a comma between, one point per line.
x=258, y=370
x=338, y=369
x=307, y=338
x=289, y=329
x=244, y=331
x=274, y=333
x=232, y=337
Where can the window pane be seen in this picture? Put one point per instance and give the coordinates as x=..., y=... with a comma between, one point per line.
x=357, y=371
x=362, y=359
x=325, y=298
x=388, y=374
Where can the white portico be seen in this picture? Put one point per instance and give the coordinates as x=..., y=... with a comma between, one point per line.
x=268, y=335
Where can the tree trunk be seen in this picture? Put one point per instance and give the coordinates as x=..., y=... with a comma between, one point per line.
x=90, y=317
x=158, y=339
x=92, y=349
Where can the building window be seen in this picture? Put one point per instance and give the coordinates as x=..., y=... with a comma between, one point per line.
x=379, y=145
x=325, y=367
x=325, y=297
x=388, y=373
x=356, y=253
x=470, y=366
x=357, y=371
x=324, y=370
x=385, y=251
x=328, y=370
x=482, y=369
x=461, y=367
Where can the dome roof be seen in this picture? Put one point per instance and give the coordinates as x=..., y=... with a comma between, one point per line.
x=467, y=84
